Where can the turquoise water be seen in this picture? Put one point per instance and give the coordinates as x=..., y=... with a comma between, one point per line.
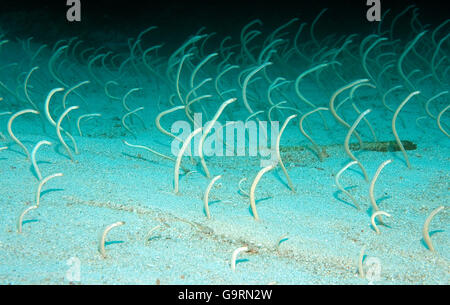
x=311, y=234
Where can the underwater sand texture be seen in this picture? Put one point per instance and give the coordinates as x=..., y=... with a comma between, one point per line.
x=311, y=236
